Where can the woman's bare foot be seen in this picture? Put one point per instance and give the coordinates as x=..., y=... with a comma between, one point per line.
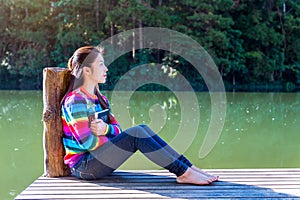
x=193, y=177
x=211, y=177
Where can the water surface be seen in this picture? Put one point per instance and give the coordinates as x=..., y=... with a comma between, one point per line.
x=261, y=130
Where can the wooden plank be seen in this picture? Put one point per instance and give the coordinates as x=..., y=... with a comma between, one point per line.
x=170, y=183
x=290, y=176
x=160, y=184
x=165, y=191
x=217, y=194
x=158, y=179
x=232, y=180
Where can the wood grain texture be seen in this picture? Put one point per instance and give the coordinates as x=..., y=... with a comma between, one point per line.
x=160, y=184
x=55, y=83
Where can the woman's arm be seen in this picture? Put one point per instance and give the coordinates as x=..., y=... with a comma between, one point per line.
x=76, y=123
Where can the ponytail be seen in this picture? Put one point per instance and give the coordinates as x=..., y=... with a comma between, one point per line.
x=70, y=88
x=103, y=103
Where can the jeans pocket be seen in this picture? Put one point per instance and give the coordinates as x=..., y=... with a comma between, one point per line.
x=83, y=175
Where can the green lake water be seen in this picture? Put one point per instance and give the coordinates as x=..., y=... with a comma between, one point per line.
x=261, y=130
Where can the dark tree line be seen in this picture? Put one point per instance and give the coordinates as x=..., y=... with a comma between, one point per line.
x=254, y=43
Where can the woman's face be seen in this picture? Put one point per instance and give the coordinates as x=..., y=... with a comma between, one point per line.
x=99, y=70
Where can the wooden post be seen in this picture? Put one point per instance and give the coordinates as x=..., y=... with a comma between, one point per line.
x=55, y=83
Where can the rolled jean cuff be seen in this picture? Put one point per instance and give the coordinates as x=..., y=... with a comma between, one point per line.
x=177, y=167
x=185, y=161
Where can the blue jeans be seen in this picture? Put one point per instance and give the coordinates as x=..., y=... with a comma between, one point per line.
x=104, y=160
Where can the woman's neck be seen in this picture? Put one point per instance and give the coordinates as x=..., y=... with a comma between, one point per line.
x=90, y=88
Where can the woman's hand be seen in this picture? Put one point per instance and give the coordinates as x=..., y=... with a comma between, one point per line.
x=98, y=127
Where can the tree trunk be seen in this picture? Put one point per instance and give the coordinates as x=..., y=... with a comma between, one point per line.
x=97, y=15
x=233, y=80
x=140, y=34
x=55, y=84
x=111, y=32
x=133, y=39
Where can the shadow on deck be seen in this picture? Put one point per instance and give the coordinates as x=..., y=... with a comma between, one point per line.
x=160, y=184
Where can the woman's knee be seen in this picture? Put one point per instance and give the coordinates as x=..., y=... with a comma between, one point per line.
x=138, y=131
x=143, y=125
x=150, y=132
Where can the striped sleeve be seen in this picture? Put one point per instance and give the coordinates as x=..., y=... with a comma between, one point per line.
x=76, y=124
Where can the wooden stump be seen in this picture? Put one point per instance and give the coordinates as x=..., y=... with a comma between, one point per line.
x=55, y=83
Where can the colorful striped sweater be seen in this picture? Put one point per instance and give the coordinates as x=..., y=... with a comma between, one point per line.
x=78, y=138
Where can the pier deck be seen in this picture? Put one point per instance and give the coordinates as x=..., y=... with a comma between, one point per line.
x=160, y=184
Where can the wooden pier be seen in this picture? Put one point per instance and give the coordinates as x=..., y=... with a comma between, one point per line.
x=160, y=184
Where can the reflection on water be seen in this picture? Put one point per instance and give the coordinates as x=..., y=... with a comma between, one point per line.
x=21, y=146
x=261, y=131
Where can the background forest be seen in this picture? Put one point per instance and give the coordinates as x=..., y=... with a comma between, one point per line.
x=254, y=43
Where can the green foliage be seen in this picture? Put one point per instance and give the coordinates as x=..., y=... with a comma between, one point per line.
x=252, y=42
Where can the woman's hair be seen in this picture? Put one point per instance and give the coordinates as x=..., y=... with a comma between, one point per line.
x=84, y=57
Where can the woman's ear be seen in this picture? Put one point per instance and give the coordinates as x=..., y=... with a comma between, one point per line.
x=87, y=70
